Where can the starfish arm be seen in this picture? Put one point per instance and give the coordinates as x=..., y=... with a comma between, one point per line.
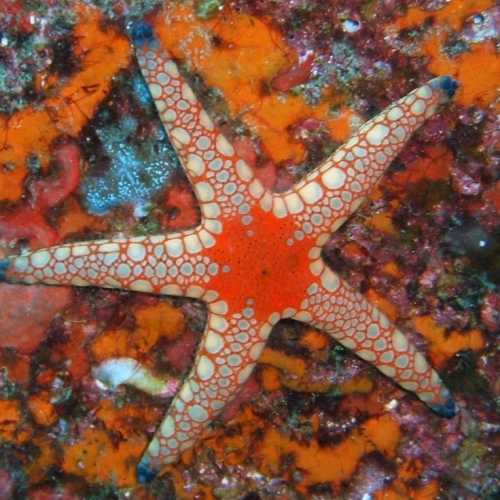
x=221, y=179
x=331, y=305
x=226, y=357
x=324, y=199
x=171, y=264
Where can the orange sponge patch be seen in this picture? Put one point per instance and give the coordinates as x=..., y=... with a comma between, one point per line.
x=98, y=459
x=476, y=70
x=33, y=130
x=242, y=64
x=442, y=345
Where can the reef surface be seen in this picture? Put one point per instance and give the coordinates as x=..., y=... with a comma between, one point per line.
x=83, y=155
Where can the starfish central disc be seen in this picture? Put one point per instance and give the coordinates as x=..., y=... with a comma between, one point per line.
x=255, y=259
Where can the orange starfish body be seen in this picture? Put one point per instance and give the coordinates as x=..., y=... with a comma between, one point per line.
x=254, y=259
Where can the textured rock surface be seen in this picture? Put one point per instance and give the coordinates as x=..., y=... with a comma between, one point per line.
x=289, y=81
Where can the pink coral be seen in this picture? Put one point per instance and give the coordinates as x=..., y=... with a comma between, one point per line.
x=26, y=313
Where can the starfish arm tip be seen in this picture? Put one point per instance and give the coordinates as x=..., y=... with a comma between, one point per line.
x=445, y=84
x=4, y=266
x=145, y=473
x=448, y=409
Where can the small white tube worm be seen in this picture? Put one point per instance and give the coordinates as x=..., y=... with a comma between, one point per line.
x=127, y=371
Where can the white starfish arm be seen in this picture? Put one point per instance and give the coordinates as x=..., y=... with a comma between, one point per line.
x=221, y=179
x=226, y=357
x=331, y=305
x=323, y=200
x=165, y=264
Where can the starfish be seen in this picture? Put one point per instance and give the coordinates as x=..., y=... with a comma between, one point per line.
x=255, y=257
